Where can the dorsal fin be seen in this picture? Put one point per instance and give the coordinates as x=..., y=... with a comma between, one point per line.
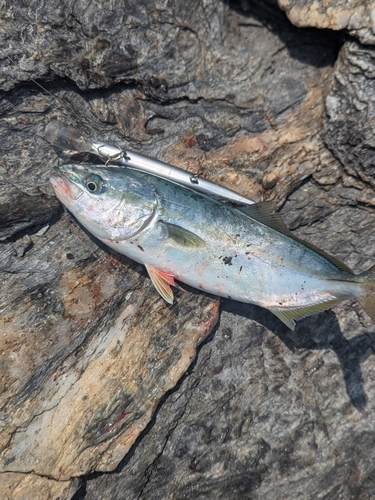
x=264, y=213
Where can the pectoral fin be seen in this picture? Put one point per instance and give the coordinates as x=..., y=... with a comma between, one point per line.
x=291, y=315
x=162, y=281
x=179, y=236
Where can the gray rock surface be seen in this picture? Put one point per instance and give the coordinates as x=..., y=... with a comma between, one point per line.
x=89, y=351
x=356, y=16
x=349, y=126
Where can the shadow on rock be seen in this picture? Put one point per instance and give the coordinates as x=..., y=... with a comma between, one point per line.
x=319, y=332
x=313, y=46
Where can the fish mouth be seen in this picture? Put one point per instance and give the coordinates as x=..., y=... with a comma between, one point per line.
x=65, y=190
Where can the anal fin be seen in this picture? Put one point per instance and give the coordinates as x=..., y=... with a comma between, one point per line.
x=162, y=281
x=289, y=315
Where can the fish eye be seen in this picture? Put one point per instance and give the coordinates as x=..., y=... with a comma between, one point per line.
x=94, y=184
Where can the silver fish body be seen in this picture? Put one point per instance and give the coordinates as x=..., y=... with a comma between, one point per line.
x=244, y=254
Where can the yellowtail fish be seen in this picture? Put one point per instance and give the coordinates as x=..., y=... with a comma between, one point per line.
x=245, y=254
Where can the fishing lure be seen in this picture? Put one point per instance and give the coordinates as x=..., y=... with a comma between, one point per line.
x=65, y=137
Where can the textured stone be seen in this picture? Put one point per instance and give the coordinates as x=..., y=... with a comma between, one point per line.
x=356, y=16
x=15, y=486
x=350, y=121
x=132, y=350
x=89, y=350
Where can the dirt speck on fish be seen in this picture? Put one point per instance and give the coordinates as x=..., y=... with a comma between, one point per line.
x=178, y=234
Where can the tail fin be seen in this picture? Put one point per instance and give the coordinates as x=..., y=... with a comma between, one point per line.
x=367, y=300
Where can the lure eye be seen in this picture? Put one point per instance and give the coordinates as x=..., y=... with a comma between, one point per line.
x=94, y=184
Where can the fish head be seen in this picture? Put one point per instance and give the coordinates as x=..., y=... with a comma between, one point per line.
x=112, y=203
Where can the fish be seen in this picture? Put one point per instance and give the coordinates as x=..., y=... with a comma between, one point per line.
x=244, y=253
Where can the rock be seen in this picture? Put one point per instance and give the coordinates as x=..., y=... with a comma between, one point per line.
x=357, y=17
x=20, y=210
x=14, y=486
x=252, y=436
x=100, y=393
x=350, y=122
x=103, y=398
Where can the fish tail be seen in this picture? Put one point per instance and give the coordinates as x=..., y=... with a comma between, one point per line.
x=367, y=298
